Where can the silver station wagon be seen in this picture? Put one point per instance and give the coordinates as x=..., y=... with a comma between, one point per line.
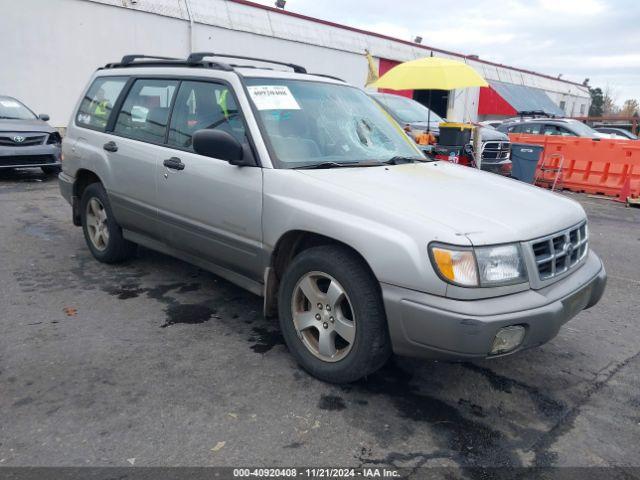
x=301, y=189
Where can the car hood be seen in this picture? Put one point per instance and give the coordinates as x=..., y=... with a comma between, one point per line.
x=484, y=207
x=9, y=125
x=434, y=127
x=491, y=134
x=488, y=134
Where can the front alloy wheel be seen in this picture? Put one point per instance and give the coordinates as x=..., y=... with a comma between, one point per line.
x=323, y=316
x=331, y=314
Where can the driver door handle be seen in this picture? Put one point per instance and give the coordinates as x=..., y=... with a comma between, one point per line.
x=174, y=163
x=110, y=146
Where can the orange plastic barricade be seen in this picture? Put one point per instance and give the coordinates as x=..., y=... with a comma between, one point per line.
x=603, y=166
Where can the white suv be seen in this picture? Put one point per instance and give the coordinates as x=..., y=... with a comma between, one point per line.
x=300, y=188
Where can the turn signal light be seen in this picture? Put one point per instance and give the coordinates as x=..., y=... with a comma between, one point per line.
x=457, y=266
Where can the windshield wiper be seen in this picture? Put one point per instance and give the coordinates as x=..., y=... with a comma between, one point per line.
x=9, y=118
x=398, y=160
x=321, y=165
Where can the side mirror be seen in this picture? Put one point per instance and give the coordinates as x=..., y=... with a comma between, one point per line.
x=44, y=117
x=221, y=145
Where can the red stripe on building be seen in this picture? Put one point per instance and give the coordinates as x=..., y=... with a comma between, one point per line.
x=385, y=66
x=491, y=103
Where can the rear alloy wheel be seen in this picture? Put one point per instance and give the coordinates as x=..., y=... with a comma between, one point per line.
x=97, y=224
x=101, y=231
x=332, y=316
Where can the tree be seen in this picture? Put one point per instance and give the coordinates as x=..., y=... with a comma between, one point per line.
x=609, y=106
x=630, y=108
x=597, y=102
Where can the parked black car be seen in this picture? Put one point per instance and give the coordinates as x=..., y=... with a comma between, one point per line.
x=26, y=139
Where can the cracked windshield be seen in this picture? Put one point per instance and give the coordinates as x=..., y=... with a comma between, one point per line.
x=309, y=123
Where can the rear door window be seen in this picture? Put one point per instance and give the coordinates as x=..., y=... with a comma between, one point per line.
x=98, y=102
x=531, y=128
x=145, y=111
x=550, y=129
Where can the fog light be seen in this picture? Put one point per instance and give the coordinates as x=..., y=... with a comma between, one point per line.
x=507, y=339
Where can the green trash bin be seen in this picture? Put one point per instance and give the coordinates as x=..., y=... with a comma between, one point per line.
x=524, y=159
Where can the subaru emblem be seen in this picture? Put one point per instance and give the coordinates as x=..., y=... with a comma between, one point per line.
x=18, y=139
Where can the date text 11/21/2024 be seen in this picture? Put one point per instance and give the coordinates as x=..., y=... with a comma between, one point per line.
x=372, y=472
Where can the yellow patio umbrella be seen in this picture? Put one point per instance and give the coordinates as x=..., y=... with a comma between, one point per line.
x=430, y=73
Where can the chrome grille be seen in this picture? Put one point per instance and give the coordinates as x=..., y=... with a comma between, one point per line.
x=21, y=140
x=561, y=251
x=496, y=150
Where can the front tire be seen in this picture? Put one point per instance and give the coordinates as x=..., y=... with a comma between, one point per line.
x=332, y=316
x=101, y=231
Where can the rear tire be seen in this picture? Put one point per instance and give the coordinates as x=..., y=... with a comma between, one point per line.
x=355, y=324
x=101, y=231
x=54, y=170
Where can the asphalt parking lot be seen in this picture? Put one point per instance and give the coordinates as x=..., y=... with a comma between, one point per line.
x=156, y=362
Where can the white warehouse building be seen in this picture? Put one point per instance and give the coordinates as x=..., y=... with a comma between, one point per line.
x=51, y=47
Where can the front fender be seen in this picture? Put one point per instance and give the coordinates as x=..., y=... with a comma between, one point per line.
x=393, y=244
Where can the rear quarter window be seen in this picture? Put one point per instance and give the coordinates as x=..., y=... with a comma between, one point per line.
x=98, y=102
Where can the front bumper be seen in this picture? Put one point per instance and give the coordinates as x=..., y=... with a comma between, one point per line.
x=34, y=156
x=502, y=167
x=429, y=326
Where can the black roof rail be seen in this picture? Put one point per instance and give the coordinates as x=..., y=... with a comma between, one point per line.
x=535, y=114
x=199, y=56
x=157, y=61
x=129, y=59
x=328, y=76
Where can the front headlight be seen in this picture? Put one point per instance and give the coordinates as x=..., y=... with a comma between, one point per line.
x=54, y=138
x=500, y=265
x=479, y=267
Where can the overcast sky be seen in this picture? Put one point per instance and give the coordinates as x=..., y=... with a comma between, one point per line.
x=596, y=39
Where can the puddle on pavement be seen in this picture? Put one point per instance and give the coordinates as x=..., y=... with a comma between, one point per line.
x=331, y=402
x=265, y=339
x=469, y=442
x=191, y=313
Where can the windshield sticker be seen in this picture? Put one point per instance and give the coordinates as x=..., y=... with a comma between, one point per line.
x=273, y=97
x=9, y=104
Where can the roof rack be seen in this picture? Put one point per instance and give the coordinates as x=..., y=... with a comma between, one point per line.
x=197, y=60
x=197, y=57
x=157, y=61
x=535, y=114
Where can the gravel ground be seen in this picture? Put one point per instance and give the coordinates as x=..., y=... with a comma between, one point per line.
x=156, y=362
